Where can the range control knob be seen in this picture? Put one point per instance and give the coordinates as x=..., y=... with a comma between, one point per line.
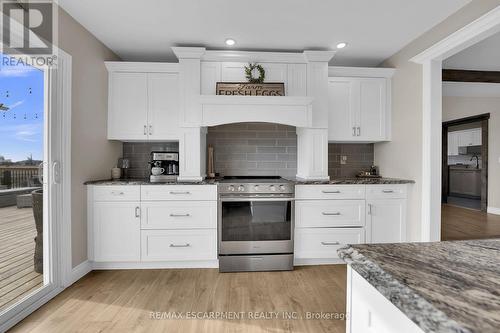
x=231, y=188
x=282, y=187
x=272, y=188
x=256, y=187
x=241, y=188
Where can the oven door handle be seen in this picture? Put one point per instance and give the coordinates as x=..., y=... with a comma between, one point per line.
x=260, y=199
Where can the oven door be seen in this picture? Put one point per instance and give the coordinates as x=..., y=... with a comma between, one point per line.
x=249, y=225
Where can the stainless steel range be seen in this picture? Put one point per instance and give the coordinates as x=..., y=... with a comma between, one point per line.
x=255, y=224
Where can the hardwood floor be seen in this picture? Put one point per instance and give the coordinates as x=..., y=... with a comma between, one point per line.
x=17, y=275
x=462, y=223
x=122, y=301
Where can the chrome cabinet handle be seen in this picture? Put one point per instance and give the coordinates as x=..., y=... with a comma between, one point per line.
x=369, y=209
x=354, y=131
x=331, y=214
x=358, y=131
x=117, y=193
x=330, y=192
x=329, y=243
x=178, y=193
x=180, y=245
x=145, y=130
x=388, y=191
x=137, y=211
x=180, y=215
x=150, y=129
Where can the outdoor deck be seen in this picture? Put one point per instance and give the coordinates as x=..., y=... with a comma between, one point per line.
x=17, y=275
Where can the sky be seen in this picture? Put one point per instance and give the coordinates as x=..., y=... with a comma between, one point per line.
x=21, y=128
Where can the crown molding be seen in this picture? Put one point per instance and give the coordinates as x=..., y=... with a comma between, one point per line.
x=189, y=52
x=318, y=56
x=336, y=71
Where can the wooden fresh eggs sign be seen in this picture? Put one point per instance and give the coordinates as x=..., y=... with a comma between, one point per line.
x=250, y=89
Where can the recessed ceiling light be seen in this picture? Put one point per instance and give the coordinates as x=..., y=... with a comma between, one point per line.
x=230, y=42
x=341, y=45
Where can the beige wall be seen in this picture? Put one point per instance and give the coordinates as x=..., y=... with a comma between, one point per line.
x=461, y=107
x=402, y=157
x=92, y=154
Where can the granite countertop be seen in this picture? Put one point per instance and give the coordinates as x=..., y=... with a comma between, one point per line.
x=443, y=286
x=338, y=181
x=146, y=182
x=354, y=181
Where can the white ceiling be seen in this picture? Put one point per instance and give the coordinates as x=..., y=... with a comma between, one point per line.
x=483, y=56
x=145, y=30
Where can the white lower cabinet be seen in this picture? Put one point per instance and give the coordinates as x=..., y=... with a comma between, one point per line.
x=161, y=229
x=370, y=312
x=328, y=217
x=316, y=243
x=117, y=231
x=386, y=220
x=183, y=245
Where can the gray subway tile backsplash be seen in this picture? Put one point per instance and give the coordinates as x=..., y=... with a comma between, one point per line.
x=271, y=149
x=255, y=149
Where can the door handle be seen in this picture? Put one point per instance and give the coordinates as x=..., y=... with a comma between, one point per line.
x=354, y=131
x=180, y=215
x=137, y=211
x=329, y=243
x=369, y=209
x=145, y=130
x=180, y=245
x=331, y=214
x=359, y=131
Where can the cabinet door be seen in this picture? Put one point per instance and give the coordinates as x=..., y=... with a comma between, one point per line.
x=343, y=109
x=128, y=103
x=386, y=220
x=452, y=143
x=117, y=231
x=465, y=138
x=476, y=137
x=372, y=109
x=163, y=106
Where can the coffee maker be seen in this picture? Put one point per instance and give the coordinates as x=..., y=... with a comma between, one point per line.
x=164, y=166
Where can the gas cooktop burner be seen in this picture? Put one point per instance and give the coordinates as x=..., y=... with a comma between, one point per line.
x=255, y=184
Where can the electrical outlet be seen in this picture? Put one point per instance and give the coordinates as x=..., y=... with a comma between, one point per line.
x=343, y=159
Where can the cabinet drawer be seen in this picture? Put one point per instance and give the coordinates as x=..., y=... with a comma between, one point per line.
x=315, y=192
x=165, y=245
x=117, y=193
x=317, y=243
x=386, y=191
x=179, y=192
x=179, y=215
x=329, y=213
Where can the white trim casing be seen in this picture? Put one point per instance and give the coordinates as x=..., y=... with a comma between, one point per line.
x=79, y=271
x=431, y=59
x=361, y=72
x=156, y=265
x=493, y=210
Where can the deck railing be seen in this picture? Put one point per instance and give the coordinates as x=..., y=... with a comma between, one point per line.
x=15, y=176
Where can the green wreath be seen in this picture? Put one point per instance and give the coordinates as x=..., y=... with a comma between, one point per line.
x=248, y=73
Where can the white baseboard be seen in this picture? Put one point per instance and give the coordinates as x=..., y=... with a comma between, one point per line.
x=321, y=261
x=494, y=210
x=156, y=264
x=79, y=271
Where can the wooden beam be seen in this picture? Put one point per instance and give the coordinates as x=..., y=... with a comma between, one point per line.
x=459, y=75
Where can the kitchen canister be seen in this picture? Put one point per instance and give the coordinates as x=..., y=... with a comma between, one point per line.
x=116, y=173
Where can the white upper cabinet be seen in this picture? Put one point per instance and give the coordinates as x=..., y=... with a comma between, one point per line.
x=452, y=143
x=359, y=104
x=143, y=101
x=163, y=106
x=128, y=103
x=464, y=138
x=358, y=109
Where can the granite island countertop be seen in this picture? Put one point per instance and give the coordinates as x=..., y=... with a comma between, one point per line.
x=442, y=287
x=336, y=181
